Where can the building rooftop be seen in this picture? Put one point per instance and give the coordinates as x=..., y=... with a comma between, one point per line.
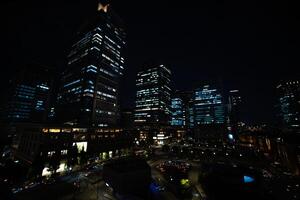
x=127, y=164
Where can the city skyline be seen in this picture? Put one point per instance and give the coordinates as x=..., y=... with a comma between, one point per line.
x=152, y=100
x=197, y=45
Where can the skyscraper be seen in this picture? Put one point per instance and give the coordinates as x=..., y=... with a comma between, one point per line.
x=208, y=106
x=177, y=112
x=289, y=103
x=30, y=94
x=234, y=107
x=127, y=119
x=153, y=97
x=89, y=92
x=187, y=107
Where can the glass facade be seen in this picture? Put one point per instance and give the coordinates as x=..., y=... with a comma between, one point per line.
x=234, y=106
x=185, y=106
x=289, y=103
x=208, y=106
x=89, y=94
x=153, y=97
x=178, y=112
x=30, y=95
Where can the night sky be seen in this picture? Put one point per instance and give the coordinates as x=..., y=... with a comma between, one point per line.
x=248, y=45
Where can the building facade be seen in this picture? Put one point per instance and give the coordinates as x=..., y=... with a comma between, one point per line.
x=234, y=109
x=153, y=97
x=187, y=104
x=177, y=112
x=289, y=103
x=208, y=107
x=35, y=142
x=30, y=95
x=127, y=118
x=234, y=104
x=89, y=92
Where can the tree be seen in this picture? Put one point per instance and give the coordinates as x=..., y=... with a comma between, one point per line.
x=72, y=157
x=14, y=172
x=37, y=166
x=175, y=149
x=165, y=148
x=54, y=162
x=83, y=157
x=143, y=143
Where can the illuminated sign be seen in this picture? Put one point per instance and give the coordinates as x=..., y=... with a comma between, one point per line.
x=54, y=130
x=79, y=130
x=66, y=130
x=103, y=7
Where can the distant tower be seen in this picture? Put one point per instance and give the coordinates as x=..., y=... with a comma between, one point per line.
x=153, y=97
x=208, y=106
x=89, y=92
x=187, y=100
x=289, y=103
x=30, y=95
x=181, y=104
x=177, y=112
x=234, y=107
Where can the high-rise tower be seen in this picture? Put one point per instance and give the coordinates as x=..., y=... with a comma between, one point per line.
x=208, y=106
x=153, y=97
x=89, y=92
x=289, y=103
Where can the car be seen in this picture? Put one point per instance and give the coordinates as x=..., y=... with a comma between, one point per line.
x=77, y=184
x=32, y=185
x=161, y=188
x=86, y=174
x=50, y=181
x=156, y=187
x=16, y=190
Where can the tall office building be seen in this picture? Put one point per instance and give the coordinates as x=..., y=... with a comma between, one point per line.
x=187, y=103
x=127, y=118
x=30, y=95
x=289, y=103
x=208, y=107
x=234, y=107
x=177, y=112
x=153, y=97
x=89, y=92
